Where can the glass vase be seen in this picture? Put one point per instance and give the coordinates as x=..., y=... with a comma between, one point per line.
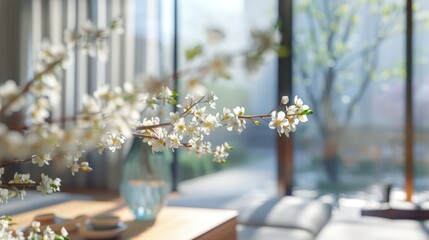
x=146, y=181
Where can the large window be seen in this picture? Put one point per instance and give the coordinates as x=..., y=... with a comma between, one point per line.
x=349, y=61
x=251, y=164
x=420, y=93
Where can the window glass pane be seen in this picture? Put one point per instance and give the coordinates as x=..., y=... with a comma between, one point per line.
x=420, y=98
x=349, y=67
x=251, y=162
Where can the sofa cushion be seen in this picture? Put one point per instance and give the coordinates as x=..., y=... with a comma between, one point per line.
x=264, y=233
x=375, y=228
x=288, y=212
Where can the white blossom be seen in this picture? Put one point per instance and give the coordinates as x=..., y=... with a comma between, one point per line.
x=48, y=233
x=174, y=141
x=21, y=178
x=114, y=141
x=210, y=123
x=174, y=117
x=189, y=100
x=180, y=126
x=64, y=232
x=41, y=159
x=165, y=94
x=199, y=114
x=102, y=50
x=298, y=102
x=278, y=121
x=239, y=111
x=285, y=100
x=159, y=140
x=35, y=225
x=193, y=130
x=4, y=195
x=111, y=114
x=220, y=155
x=90, y=104
x=301, y=107
x=48, y=185
x=227, y=115
x=74, y=167
x=8, y=91
x=39, y=111
x=232, y=120
x=212, y=98
x=292, y=117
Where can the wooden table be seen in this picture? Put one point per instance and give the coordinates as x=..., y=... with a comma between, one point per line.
x=172, y=222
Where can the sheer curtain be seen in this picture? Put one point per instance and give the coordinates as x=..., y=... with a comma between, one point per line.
x=143, y=48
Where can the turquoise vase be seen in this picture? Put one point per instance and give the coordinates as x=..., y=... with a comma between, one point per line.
x=146, y=181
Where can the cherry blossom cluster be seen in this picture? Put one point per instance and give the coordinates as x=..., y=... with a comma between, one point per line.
x=112, y=114
x=188, y=127
x=92, y=40
x=286, y=121
x=34, y=232
x=40, y=139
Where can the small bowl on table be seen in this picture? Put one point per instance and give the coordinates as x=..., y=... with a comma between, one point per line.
x=104, y=226
x=104, y=221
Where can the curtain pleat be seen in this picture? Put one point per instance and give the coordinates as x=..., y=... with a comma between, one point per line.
x=137, y=51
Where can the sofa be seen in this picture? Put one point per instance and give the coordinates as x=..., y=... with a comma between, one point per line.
x=375, y=228
x=289, y=217
x=284, y=218
x=294, y=218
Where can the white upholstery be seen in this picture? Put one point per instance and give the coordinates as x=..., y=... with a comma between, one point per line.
x=288, y=213
x=272, y=233
x=374, y=228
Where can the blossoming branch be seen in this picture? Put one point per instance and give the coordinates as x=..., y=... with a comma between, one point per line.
x=114, y=113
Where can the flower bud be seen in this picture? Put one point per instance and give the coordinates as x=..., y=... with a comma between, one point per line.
x=285, y=100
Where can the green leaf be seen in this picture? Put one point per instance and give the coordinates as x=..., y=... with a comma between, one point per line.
x=307, y=112
x=115, y=22
x=257, y=123
x=193, y=52
x=283, y=51
x=172, y=100
x=174, y=93
x=57, y=237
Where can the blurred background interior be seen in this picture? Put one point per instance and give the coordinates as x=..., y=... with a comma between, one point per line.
x=347, y=60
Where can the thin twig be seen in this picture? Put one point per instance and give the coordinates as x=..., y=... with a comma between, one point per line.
x=254, y=116
x=13, y=162
x=190, y=107
x=154, y=126
x=182, y=144
x=18, y=185
x=27, y=86
x=267, y=115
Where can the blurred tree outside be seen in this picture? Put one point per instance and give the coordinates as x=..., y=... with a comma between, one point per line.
x=336, y=57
